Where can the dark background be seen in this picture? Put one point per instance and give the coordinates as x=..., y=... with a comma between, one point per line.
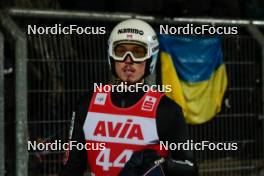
x=170, y=8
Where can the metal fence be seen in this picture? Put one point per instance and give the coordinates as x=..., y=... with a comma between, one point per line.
x=240, y=119
x=53, y=71
x=61, y=68
x=2, y=152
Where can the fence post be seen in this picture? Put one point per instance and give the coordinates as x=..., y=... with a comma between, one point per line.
x=20, y=93
x=2, y=114
x=256, y=33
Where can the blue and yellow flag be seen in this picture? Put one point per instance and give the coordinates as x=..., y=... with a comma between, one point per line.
x=194, y=67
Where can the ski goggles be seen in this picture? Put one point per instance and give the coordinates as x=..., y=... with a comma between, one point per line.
x=138, y=51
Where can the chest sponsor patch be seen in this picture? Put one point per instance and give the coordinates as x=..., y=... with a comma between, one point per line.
x=120, y=128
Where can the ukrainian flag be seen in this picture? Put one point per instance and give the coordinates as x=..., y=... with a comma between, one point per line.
x=194, y=67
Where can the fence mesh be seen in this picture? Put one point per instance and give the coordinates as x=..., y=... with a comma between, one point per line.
x=240, y=119
x=60, y=69
x=63, y=67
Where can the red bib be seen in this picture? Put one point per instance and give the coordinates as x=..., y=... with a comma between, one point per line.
x=122, y=130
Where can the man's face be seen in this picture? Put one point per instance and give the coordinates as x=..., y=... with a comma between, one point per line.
x=128, y=70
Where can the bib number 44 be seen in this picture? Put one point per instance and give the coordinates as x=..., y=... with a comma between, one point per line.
x=103, y=159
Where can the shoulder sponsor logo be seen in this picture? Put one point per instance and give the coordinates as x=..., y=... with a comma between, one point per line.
x=100, y=98
x=149, y=103
x=130, y=30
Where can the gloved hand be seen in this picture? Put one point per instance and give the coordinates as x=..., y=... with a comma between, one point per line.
x=144, y=163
